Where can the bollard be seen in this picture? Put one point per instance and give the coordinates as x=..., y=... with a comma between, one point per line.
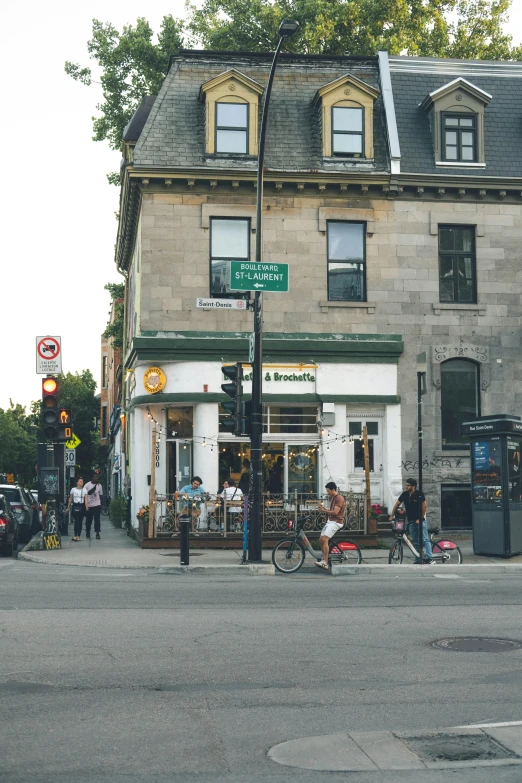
x=184, y=530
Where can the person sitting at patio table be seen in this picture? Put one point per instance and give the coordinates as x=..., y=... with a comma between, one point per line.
x=233, y=496
x=190, y=492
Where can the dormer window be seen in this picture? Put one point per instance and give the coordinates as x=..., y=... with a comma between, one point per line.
x=231, y=101
x=347, y=118
x=347, y=131
x=456, y=117
x=232, y=128
x=459, y=137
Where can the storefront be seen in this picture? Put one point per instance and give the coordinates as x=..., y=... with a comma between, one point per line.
x=314, y=416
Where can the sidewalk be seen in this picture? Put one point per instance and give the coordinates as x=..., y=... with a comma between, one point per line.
x=117, y=550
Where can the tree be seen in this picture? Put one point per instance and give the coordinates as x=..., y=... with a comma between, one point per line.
x=133, y=66
x=18, y=444
x=114, y=330
x=78, y=392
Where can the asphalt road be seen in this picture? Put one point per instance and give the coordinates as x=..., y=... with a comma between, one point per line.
x=144, y=677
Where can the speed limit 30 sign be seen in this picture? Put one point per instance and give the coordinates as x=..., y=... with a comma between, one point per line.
x=70, y=457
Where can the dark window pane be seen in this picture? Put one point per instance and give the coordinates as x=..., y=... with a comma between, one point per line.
x=446, y=239
x=231, y=115
x=354, y=428
x=346, y=282
x=447, y=283
x=459, y=400
x=372, y=427
x=358, y=455
x=347, y=119
x=231, y=141
x=350, y=143
x=345, y=241
x=179, y=422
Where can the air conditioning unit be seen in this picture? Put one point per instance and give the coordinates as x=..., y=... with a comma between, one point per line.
x=328, y=414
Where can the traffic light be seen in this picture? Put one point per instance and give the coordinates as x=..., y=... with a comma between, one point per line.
x=246, y=421
x=65, y=425
x=50, y=407
x=234, y=408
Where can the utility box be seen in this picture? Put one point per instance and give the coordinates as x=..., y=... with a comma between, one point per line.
x=496, y=488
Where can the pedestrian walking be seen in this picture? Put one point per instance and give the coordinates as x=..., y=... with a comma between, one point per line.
x=77, y=500
x=93, y=505
x=415, y=505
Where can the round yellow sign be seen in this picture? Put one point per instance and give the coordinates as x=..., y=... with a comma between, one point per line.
x=154, y=380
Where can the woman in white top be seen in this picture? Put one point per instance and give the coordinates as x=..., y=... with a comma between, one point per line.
x=234, y=500
x=77, y=498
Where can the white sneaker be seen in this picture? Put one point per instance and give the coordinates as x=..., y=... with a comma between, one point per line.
x=321, y=564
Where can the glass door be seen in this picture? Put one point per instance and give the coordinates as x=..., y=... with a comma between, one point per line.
x=179, y=464
x=374, y=431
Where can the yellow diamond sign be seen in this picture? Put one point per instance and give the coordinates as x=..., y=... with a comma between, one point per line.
x=74, y=442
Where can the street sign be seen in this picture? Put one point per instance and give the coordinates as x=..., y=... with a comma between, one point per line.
x=250, y=276
x=74, y=442
x=48, y=355
x=70, y=457
x=222, y=304
x=72, y=471
x=251, y=347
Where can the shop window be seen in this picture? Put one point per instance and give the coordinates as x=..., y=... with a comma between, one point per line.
x=229, y=241
x=302, y=469
x=457, y=264
x=460, y=400
x=346, y=260
x=292, y=419
x=455, y=502
x=355, y=428
x=180, y=422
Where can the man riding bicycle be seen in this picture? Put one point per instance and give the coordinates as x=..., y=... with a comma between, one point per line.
x=415, y=505
x=335, y=521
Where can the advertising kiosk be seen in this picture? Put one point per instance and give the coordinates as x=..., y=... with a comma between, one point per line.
x=496, y=488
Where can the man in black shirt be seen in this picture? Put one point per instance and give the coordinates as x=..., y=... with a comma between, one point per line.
x=415, y=505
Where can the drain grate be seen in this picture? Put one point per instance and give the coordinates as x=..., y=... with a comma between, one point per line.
x=458, y=747
x=477, y=644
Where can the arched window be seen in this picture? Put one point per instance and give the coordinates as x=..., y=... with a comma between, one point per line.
x=460, y=399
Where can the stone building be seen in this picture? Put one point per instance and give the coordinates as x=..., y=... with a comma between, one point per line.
x=393, y=189
x=110, y=409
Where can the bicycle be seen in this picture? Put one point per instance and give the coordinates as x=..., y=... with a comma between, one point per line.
x=444, y=550
x=289, y=554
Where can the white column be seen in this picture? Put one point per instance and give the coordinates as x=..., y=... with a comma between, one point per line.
x=141, y=435
x=206, y=458
x=334, y=462
x=392, y=457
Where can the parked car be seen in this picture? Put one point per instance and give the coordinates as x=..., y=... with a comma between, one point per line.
x=8, y=528
x=35, y=508
x=21, y=506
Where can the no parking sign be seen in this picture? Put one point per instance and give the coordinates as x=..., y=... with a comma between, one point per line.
x=48, y=355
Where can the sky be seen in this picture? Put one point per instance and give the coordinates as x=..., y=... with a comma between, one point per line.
x=57, y=209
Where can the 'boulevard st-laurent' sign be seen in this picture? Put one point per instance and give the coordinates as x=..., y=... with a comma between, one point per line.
x=250, y=276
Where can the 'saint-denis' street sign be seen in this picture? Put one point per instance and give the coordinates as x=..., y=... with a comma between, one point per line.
x=250, y=276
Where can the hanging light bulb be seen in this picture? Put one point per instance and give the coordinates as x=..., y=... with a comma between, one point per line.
x=204, y=443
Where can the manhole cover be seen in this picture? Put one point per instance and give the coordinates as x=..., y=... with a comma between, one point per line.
x=477, y=644
x=176, y=554
x=458, y=747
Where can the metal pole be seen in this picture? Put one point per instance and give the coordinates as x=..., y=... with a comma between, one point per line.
x=255, y=493
x=419, y=430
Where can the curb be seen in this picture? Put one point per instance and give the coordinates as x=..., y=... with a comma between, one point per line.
x=424, y=570
x=260, y=569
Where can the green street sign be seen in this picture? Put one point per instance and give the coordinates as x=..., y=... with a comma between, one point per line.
x=249, y=276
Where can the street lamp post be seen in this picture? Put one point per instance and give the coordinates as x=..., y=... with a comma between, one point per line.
x=287, y=28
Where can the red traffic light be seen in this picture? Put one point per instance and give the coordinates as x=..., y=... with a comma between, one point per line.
x=50, y=385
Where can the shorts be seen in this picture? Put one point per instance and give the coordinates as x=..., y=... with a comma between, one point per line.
x=330, y=529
